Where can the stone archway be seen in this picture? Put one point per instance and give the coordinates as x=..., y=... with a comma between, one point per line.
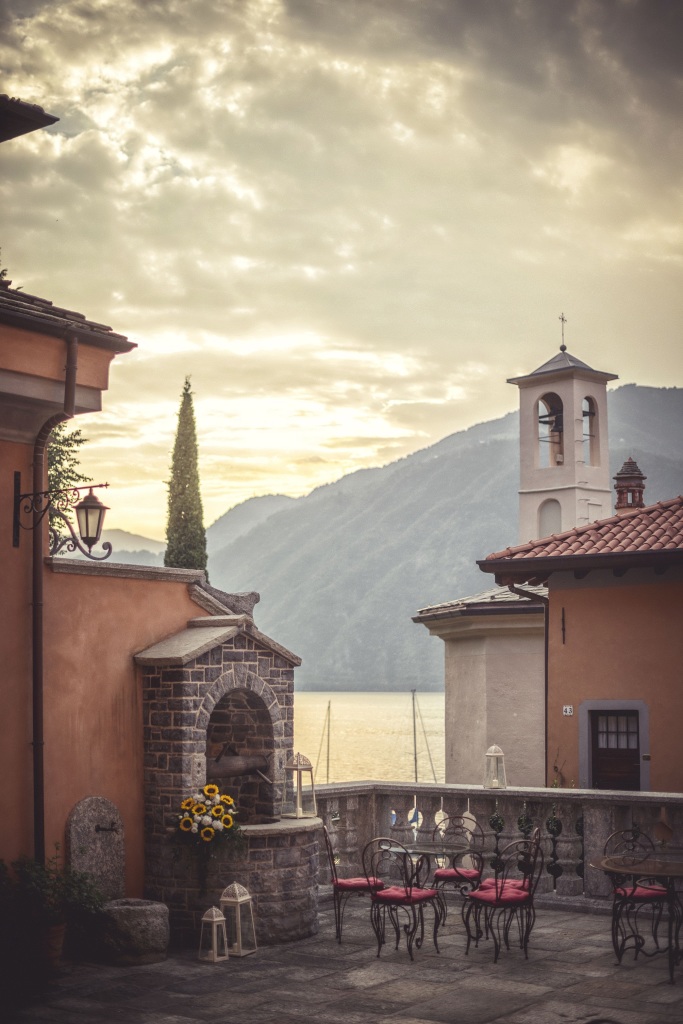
x=245, y=743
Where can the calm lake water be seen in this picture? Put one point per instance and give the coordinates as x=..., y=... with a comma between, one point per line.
x=371, y=736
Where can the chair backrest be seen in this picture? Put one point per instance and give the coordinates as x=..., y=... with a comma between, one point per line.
x=465, y=831
x=390, y=861
x=630, y=845
x=521, y=860
x=330, y=856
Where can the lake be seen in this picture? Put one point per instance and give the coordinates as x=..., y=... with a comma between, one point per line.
x=371, y=736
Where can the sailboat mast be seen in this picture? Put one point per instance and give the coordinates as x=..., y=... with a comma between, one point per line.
x=414, y=735
x=329, y=723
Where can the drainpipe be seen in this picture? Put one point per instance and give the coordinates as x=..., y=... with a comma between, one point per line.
x=546, y=603
x=39, y=484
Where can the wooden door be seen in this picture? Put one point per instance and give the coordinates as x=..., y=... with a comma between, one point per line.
x=616, y=750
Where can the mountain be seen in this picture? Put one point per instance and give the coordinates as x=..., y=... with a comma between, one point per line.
x=133, y=549
x=243, y=518
x=342, y=570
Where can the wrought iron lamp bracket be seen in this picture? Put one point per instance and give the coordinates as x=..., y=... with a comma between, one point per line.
x=57, y=503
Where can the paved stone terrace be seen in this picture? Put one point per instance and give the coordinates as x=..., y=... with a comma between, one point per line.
x=570, y=977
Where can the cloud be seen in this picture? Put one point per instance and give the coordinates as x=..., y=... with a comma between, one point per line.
x=343, y=206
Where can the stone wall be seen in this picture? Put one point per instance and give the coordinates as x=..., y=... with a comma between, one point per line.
x=574, y=824
x=244, y=691
x=278, y=866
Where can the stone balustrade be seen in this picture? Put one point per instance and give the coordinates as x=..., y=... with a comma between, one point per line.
x=574, y=823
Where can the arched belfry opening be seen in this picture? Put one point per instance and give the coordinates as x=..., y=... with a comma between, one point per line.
x=550, y=431
x=591, y=432
x=564, y=459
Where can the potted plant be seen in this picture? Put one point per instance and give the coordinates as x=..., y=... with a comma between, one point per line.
x=44, y=899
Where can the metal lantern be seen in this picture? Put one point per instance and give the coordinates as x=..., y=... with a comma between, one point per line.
x=213, y=942
x=495, y=769
x=298, y=800
x=90, y=514
x=237, y=906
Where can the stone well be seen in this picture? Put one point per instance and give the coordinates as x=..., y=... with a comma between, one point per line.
x=218, y=705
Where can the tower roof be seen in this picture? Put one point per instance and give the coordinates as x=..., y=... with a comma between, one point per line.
x=563, y=362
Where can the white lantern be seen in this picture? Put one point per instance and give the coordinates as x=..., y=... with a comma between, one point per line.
x=213, y=942
x=298, y=799
x=495, y=769
x=238, y=909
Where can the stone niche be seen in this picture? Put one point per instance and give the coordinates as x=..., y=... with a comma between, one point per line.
x=218, y=704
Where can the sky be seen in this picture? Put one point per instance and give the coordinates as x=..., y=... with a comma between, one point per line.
x=348, y=222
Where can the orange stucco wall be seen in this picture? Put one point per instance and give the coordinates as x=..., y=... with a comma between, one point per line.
x=15, y=652
x=93, y=704
x=623, y=641
x=42, y=356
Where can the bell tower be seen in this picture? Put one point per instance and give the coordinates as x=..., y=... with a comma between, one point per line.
x=564, y=456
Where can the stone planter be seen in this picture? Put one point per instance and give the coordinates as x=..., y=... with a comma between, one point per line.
x=133, y=932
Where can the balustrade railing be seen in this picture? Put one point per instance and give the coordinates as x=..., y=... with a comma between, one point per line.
x=574, y=823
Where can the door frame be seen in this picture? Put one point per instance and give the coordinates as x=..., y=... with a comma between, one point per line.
x=585, y=739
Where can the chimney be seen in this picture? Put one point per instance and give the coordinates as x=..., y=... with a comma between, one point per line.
x=629, y=485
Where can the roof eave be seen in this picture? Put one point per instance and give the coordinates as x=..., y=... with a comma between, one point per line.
x=539, y=570
x=114, y=342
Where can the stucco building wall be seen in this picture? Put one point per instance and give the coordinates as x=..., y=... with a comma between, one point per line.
x=15, y=679
x=622, y=642
x=494, y=694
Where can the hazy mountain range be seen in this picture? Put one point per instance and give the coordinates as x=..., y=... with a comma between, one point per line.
x=342, y=570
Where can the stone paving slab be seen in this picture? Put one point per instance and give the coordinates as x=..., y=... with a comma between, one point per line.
x=570, y=977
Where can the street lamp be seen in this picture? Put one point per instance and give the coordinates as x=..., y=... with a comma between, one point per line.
x=89, y=510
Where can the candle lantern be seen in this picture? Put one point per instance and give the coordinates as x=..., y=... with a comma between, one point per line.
x=213, y=942
x=298, y=800
x=238, y=909
x=495, y=769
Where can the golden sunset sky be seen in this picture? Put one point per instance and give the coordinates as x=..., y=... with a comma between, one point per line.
x=348, y=221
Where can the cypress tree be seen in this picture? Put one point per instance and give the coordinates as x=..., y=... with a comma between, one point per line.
x=185, y=535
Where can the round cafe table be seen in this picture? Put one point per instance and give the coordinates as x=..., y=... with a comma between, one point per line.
x=665, y=871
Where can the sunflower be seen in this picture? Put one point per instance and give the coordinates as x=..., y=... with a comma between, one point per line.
x=227, y=800
x=188, y=804
x=217, y=812
x=210, y=790
x=185, y=824
x=227, y=820
x=199, y=809
x=207, y=834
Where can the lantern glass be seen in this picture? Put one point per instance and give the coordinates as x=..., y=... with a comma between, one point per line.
x=495, y=769
x=90, y=514
x=298, y=798
x=238, y=908
x=213, y=941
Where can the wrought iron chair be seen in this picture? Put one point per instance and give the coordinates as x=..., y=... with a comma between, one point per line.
x=464, y=838
x=385, y=858
x=506, y=898
x=633, y=894
x=343, y=888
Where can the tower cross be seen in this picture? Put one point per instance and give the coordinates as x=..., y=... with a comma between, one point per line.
x=563, y=319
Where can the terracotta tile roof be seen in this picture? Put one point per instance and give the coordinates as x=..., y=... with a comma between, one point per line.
x=32, y=313
x=657, y=527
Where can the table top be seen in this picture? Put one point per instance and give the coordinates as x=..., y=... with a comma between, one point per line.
x=651, y=867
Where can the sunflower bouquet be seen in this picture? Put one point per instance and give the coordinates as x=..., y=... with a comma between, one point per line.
x=208, y=816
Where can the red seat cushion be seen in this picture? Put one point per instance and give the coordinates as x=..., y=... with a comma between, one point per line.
x=359, y=884
x=454, y=874
x=641, y=892
x=513, y=883
x=509, y=895
x=397, y=894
